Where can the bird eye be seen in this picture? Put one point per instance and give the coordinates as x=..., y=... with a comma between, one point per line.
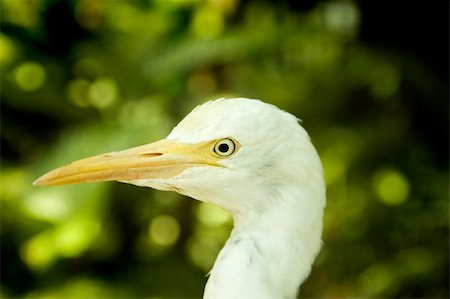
x=225, y=147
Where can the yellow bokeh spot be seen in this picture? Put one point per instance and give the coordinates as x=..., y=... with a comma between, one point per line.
x=22, y=13
x=14, y=183
x=227, y=7
x=376, y=280
x=208, y=22
x=77, y=91
x=7, y=50
x=30, y=76
x=202, y=252
x=337, y=158
x=341, y=16
x=211, y=215
x=47, y=205
x=391, y=186
x=75, y=237
x=103, y=93
x=68, y=240
x=334, y=168
x=164, y=230
x=38, y=252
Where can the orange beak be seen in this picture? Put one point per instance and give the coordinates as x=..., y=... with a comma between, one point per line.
x=158, y=160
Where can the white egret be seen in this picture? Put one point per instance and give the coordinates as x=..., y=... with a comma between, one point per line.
x=253, y=160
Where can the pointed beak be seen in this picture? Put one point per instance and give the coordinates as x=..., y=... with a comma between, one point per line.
x=158, y=160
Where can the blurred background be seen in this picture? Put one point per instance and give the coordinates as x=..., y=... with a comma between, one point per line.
x=369, y=79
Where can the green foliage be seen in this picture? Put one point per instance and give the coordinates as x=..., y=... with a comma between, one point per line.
x=86, y=77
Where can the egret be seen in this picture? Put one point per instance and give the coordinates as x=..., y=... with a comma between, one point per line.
x=249, y=158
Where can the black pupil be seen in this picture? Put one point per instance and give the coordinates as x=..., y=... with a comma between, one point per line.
x=223, y=148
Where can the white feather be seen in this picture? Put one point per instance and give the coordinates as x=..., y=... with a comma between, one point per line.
x=273, y=187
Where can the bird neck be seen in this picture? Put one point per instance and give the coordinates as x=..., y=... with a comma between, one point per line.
x=269, y=252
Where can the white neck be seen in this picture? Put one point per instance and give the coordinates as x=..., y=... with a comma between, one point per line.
x=270, y=253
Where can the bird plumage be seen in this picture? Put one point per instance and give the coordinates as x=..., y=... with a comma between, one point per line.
x=272, y=184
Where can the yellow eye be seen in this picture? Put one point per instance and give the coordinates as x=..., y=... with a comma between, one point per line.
x=225, y=147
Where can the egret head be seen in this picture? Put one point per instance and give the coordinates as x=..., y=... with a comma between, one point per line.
x=221, y=152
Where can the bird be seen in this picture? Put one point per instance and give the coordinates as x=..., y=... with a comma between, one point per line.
x=253, y=160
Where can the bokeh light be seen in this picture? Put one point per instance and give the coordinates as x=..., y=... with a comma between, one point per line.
x=30, y=76
x=391, y=186
x=8, y=51
x=164, y=230
x=103, y=93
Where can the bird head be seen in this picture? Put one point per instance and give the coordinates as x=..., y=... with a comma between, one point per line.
x=231, y=152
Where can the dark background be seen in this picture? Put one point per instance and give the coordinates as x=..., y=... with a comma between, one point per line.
x=369, y=79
